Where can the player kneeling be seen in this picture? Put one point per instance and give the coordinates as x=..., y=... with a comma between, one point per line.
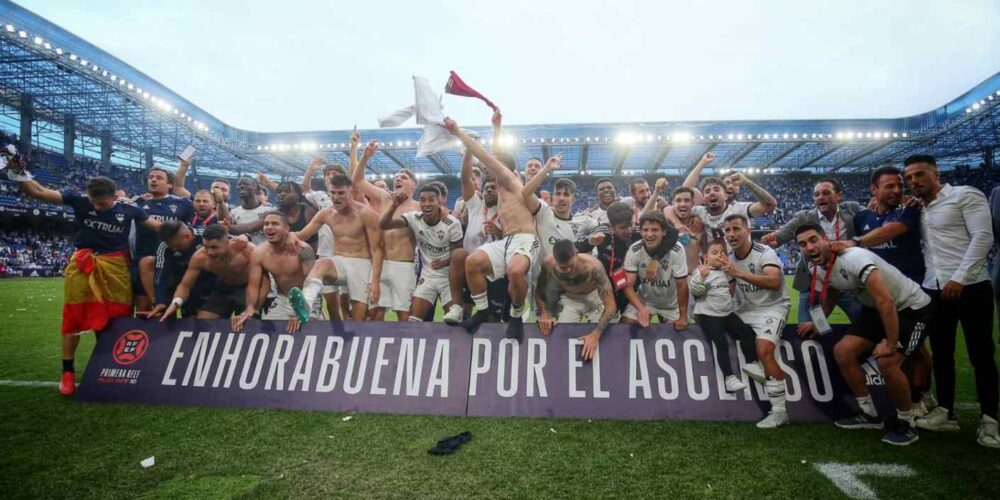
x=713, y=292
x=891, y=326
x=578, y=285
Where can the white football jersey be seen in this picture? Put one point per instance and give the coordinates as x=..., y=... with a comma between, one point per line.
x=434, y=242
x=478, y=215
x=660, y=293
x=851, y=271
x=753, y=298
x=715, y=224
x=242, y=215
x=552, y=229
x=324, y=245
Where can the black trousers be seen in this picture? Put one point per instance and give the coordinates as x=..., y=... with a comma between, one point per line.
x=717, y=327
x=974, y=309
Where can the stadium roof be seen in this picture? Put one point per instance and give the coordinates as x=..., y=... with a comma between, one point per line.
x=64, y=74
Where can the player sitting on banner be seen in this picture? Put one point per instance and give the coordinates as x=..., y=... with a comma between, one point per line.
x=764, y=305
x=574, y=286
x=512, y=256
x=713, y=293
x=891, y=326
x=357, y=248
x=666, y=293
x=436, y=238
x=97, y=285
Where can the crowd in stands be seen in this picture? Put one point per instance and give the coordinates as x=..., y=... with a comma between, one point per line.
x=27, y=252
x=793, y=192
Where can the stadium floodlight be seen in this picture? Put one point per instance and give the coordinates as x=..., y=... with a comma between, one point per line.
x=730, y=137
x=94, y=67
x=47, y=45
x=975, y=105
x=121, y=82
x=72, y=57
x=989, y=97
x=59, y=51
x=83, y=62
x=10, y=28
x=625, y=138
x=22, y=34
x=904, y=134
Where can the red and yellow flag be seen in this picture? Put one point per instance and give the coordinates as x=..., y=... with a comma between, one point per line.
x=97, y=287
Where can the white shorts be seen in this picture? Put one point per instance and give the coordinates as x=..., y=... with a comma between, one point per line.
x=281, y=309
x=324, y=248
x=433, y=286
x=768, y=325
x=669, y=315
x=574, y=310
x=501, y=251
x=354, y=273
x=396, y=285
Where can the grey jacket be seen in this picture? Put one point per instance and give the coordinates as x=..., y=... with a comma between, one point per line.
x=786, y=233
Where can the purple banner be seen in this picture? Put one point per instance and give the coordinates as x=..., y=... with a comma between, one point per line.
x=652, y=373
x=343, y=367
x=430, y=368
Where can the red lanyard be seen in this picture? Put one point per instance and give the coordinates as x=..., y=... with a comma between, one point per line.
x=208, y=220
x=826, y=280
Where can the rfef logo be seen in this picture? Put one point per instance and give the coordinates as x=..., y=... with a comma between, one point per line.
x=130, y=347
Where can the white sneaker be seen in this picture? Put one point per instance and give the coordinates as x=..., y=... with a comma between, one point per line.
x=937, y=420
x=919, y=410
x=454, y=315
x=755, y=371
x=773, y=419
x=987, y=435
x=734, y=384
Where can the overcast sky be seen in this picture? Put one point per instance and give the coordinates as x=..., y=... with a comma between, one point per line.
x=296, y=65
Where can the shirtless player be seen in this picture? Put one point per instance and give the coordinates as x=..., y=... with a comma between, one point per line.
x=288, y=262
x=229, y=261
x=512, y=255
x=398, y=279
x=357, y=249
x=577, y=285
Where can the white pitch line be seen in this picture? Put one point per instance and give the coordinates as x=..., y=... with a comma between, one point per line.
x=27, y=383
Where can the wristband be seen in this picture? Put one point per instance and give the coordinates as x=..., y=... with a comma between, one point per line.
x=177, y=301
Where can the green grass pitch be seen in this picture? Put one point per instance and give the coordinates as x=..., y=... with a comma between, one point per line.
x=52, y=447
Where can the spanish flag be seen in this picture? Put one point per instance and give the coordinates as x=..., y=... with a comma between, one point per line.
x=97, y=287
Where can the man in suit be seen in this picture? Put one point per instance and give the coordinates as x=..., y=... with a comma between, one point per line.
x=836, y=217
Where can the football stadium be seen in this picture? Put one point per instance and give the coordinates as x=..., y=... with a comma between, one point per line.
x=737, y=308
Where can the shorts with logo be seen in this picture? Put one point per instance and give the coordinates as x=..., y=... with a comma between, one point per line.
x=396, y=285
x=324, y=248
x=355, y=274
x=575, y=309
x=912, y=328
x=501, y=251
x=432, y=286
x=279, y=308
x=767, y=324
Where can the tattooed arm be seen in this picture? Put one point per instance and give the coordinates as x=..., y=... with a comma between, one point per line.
x=603, y=287
x=544, y=299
